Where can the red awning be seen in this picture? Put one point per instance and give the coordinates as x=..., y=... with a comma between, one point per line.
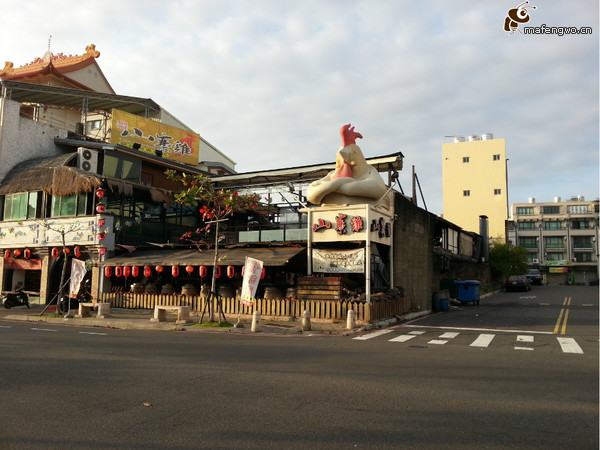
x=23, y=264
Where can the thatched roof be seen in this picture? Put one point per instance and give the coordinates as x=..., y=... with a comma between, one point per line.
x=50, y=175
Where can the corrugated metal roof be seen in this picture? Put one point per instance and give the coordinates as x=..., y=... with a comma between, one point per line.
x=270, y=256
x=74, y=98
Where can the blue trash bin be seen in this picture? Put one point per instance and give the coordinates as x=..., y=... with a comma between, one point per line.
x=469, y=291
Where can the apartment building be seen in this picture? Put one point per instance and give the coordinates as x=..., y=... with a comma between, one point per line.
x=561, y=237
x=474, y=183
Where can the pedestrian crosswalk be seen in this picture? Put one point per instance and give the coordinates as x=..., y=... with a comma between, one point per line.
x=519, y=342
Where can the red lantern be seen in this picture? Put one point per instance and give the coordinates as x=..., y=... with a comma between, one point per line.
x=108, y=271
x=102, y=250
x=55, y=252
x=175, y=271
x=67, y=250
x=159, y=269
x=218, y=271
x=203, y=271
x=100, y=208
x=17, y=252
x=189, y=269
x=99, y=192
x=135, y=271
x=262, y=274
x=77, y=251
x=101, y=221
x=27, y=253
x=230, y=271
x=7, y=253
x=118, y=271
x=147, y=271
x=126, y=271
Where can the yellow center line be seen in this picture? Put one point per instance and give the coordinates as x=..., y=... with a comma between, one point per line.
x=557, y=326
x=564, y=327
x=564, y=312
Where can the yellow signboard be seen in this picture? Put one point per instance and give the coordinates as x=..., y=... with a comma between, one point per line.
x=154, y=137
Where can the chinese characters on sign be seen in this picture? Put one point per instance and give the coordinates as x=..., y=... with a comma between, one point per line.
x=339, y=261
x=252, y=271
x=383, y=228
x=155, y=137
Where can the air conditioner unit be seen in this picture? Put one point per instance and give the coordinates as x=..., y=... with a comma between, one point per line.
x=87, y=160
x=536, y=261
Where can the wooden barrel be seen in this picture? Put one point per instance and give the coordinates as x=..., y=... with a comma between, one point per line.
x=272, y=292
x=152, y=289
x=167, y=289
x=138, y=288
x=189, y=289
x=227, y=291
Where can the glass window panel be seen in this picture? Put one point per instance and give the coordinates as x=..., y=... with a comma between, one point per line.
x=112, y=168
x=131, y=170
x=68, y=205
x=81, y=204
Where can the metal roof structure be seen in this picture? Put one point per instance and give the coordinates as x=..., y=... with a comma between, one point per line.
x=76, y=98
x=303, y=174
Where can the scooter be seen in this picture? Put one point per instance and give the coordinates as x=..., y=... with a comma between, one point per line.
x=17, y=298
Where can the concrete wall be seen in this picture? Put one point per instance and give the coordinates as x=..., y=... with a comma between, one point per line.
x=22, y=139
x=413, y=249
x=418, y=269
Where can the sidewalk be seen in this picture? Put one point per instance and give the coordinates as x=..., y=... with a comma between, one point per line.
x=140, y=319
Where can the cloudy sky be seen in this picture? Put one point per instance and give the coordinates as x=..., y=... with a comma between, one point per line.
x=270, y=82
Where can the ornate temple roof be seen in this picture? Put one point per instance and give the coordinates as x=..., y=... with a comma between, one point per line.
x=59, y=65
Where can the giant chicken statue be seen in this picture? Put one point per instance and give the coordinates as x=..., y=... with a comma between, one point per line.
x=353, y=181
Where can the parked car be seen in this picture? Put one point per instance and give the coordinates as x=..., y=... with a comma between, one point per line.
x=535, y=276
x=518, y=283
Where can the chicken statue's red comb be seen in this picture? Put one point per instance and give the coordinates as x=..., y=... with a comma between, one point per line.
x=349, y=135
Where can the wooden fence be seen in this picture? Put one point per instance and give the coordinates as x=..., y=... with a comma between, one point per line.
x=325, y=310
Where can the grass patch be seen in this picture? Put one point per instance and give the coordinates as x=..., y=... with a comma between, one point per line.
x=212, y=325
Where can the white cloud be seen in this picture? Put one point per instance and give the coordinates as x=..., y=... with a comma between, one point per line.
x=270, y=83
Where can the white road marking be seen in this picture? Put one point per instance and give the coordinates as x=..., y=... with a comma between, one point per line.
x=5, y=326
x=364, y=337
x=437, y=341
x=569, y=345
x=42, y=329
x=449, y=335
x=89, y=332
x=418, y=333
x=483, y=340
x=524, y=339
x=480, y=329
x=403, y=338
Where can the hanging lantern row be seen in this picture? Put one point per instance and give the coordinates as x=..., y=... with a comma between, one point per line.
x=203, y=271
x=55, y=252
x=17, y=252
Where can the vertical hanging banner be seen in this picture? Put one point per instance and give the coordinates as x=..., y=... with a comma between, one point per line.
x=252, y=270
x=78, y=271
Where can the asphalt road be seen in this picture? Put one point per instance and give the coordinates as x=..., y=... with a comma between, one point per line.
x=72, y=387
